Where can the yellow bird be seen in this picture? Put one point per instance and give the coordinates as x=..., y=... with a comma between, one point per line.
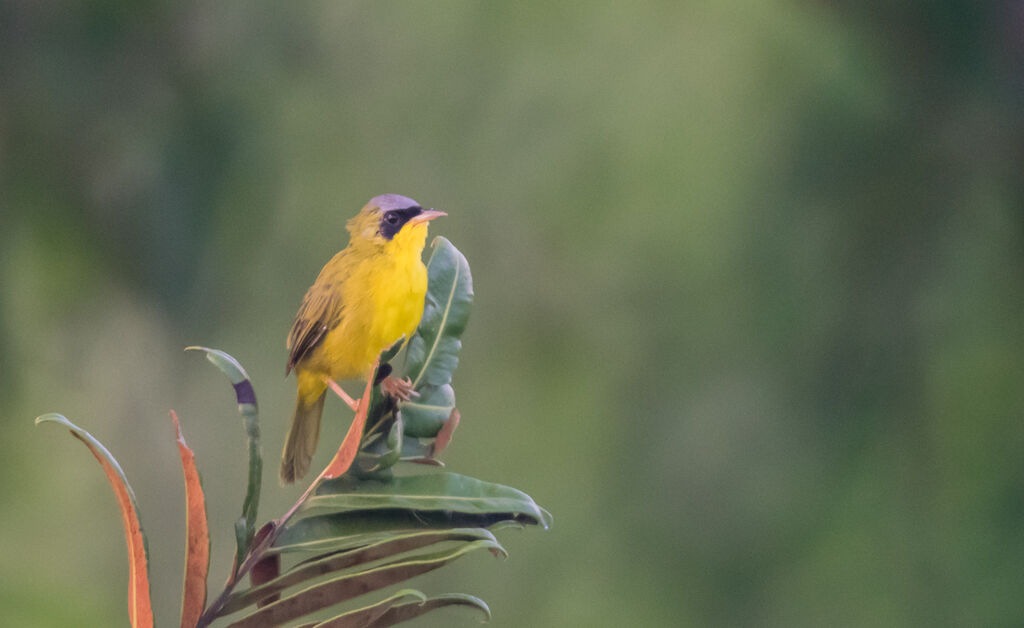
x=367, y=297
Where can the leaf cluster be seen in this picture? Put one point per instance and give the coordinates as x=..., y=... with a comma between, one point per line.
x=360, y=527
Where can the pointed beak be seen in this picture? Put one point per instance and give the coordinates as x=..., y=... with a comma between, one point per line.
x=427, y=215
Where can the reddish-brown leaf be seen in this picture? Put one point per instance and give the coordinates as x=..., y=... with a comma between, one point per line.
x=140, y=610
x=265, y=570
x=350, y=446
x=444, y=436
x=197, y=550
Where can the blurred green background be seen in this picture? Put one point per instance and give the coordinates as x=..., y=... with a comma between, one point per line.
x=749, y=281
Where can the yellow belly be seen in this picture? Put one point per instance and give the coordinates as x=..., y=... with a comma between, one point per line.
x=383, y=301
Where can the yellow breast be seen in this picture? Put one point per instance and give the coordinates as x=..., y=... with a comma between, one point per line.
x=383, y=301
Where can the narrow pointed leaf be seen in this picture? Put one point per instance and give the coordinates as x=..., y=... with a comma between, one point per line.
x=197, y=535
x=366, y=616
x=350, y=542
x=247, y=407
x=433, y=351
x=140, y=610
x=350, y=446
x=398, y=613
x=348, y=586
x=308, y=570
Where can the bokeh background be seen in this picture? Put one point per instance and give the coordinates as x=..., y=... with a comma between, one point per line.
x=749, y=282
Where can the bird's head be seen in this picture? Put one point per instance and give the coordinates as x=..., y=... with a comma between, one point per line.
x=391, y=220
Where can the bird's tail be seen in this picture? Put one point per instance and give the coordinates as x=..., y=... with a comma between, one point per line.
x=302, y=438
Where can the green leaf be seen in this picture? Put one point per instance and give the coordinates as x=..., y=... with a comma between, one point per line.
x=245, y=527
x=355, y=557
x=348, y=586
x=398, y=608
x=366, y=616
x=340, y=543
x=444, y=491
x=425, y=415
x=398, y=613
x=433, y=352
x=419, y=450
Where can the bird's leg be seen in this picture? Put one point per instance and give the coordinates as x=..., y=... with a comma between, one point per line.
x=338, y=390
x=398, y=388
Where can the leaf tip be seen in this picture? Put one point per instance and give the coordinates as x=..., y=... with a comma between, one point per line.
x=51, y=417
x=177, y=428
x=497, y=550
x=546, y=518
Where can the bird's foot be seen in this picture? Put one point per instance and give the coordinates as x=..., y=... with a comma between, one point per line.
x=338, y=390
x=398, y=388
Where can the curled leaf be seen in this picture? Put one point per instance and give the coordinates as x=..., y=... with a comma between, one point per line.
x=397, y=613
x=140, y=610
x=245, y=395
x=366, y=616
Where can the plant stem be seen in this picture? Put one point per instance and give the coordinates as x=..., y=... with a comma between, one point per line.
x=255, y=554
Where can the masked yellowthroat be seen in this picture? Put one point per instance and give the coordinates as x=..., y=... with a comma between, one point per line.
x=366, y=298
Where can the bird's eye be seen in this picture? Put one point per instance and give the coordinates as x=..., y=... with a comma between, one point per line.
x=392, y=219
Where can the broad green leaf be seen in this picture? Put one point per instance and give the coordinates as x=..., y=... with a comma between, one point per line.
x=433, y=351
x=366, y=523
x=357, y=557
x=197, y=535
x=140, y=611
x=444, y=491
x=366, y=616
x=348, y=586
x=354, y=541
x=347, y=507
x=398, y=613
x=245, y=527
x=425, y=415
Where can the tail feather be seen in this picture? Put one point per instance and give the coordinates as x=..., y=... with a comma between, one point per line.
x=302, y=438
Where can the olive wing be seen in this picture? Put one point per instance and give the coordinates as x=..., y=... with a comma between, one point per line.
x=320, y=312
